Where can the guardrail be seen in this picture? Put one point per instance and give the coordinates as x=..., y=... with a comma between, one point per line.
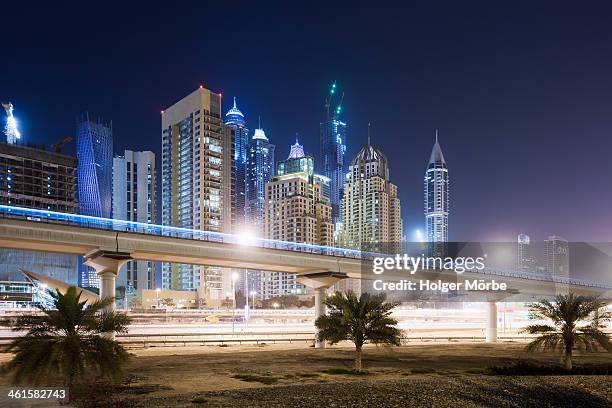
x=187, y=339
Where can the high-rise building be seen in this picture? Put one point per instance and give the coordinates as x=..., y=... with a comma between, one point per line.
x=260, y=170
x=95, y=177
x=235, y=119
x=35, y=178
x=294, y=211
x=556, y=256
x=524, y=260
x=95, y=168
x=436, y=196
x=332, y=144
x=134, y=200
x=371, y=207
x=198, y=183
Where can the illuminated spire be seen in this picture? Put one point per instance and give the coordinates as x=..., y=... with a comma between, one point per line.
x=368, y=133
x=234, y=113
x=297, y=151
x=436, y=153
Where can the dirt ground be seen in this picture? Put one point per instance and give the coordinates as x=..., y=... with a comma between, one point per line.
x=196, y=369
x=266, y=375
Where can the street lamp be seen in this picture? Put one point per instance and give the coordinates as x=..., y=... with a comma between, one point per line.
x=275, y=305
x=158, y=290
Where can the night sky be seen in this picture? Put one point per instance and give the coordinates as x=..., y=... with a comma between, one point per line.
x=521, y=93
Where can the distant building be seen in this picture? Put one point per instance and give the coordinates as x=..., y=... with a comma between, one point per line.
x=525, y=261
x=260, y=170
x=235, y=119
x=36, y=178
x=294, y=211
x=332, y=144
x=134, y=200
x=198, y=184
x=436, y=196
x=556, y=255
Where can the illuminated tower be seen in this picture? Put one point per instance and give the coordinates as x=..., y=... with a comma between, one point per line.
x=235, y=119
x=260, y=169
x=95, y=177
x=332, y=144
x=436, y=196
x=198, y=182
x=95, y=167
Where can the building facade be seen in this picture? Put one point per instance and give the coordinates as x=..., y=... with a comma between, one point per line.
x=198, y=183
x=556, y=256
x=371, y=207
x=235, y=119
x=332, y=155
x=134, y=200
x=436, y=196
x=260, y=170
x=294, y=211
x=35, y=178
x=95, y=166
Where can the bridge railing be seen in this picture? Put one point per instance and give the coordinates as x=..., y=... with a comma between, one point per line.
x=86, y=221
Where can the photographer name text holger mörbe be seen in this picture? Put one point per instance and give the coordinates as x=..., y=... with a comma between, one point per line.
x=439, y=286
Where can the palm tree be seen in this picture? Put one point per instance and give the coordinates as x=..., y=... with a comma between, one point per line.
x=361, y=320
x=67, y=342
x=565, y=333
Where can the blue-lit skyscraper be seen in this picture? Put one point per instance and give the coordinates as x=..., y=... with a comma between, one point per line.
x=95, y=177
x=332, y=151
x=235, y=119
x=95, y=167
x=260, y=170
x=436, y=196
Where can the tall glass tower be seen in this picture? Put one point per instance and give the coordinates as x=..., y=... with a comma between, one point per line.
x=332, y=146
x=235, y=119
x=95, y=178
x=260, y=169
x=95, y=167
x=436, y=196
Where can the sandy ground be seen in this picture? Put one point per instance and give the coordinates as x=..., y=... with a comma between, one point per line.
x=173, y=376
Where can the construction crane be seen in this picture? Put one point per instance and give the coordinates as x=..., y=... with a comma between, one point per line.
x=57, y=147
x=328, y=101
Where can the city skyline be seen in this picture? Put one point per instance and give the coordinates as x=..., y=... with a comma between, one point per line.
x=475, y=96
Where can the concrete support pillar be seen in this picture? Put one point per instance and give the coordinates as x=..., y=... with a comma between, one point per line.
x=491, y=323
x=319, y=311
x=320, y=282
x=107, y=265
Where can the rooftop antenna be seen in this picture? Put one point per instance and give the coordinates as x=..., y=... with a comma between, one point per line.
x=368, y=133
x=436, y=135
x=259, y=120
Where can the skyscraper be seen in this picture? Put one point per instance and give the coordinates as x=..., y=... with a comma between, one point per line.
x=95, y=168
x=556, y=256
x=294, y=211
x=260, y=169
x=436, y=196
x=95, y=177
x=198, y=183
x=134, y=200
x=36, y=178
x=371, y=207
x=524, y=260
x=235, y=119
x=332, y=144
